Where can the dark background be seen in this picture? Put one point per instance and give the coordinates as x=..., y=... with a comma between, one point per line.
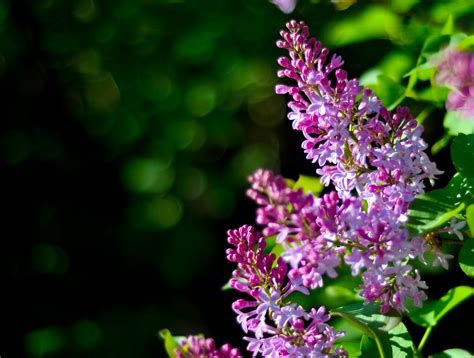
x=128, y=129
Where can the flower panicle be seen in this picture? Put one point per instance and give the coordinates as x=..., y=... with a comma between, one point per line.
x=357, y=142
x=279, y=327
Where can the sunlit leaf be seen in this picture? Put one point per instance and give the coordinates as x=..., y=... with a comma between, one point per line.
x=371, y=23
x=432, y=312
x=171, y=343
x=434, y=44
x=470, y=218
x=461, y=190
x=399, y=340
x=309, y=184
x=431, y=210
x=351, y=347
x=455, y=124
x=369, y=320
x=448, y=28
x=466, y=44
x=453, y=353
x=466, y=257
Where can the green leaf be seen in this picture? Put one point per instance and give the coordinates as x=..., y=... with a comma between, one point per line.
x=462, y=153
x=455, y=124
x=457, y=38
x=290, y=183
x=467, y=44
x=171, y=343
x=461, y=190
x=369, y=320
x=309, y=184
x=399, y=340
x=351, y=347
x=278, y=249
x=432, y=312
x=431, y=210
x=373, y=22
x=453, y=353
x=402, y=6
x=466, y=257
x=340, y=295
x=435, y=208
x=470, y=218
x=389, y=91
x=434, y=44
x=369, y=348
x=424, y=71
x=433, y=94
x=448, y=28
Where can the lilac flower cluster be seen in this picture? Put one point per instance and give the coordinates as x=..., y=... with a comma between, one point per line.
x=375, y=159
x=200, y=347
x=356, y=141
x=317, y=234
x=280, y=328
x=456, y=70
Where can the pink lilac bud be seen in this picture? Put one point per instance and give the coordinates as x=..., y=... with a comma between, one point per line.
x=200, y=347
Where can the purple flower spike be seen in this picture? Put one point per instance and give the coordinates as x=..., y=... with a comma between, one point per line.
x=280, y=328
x=356, y=141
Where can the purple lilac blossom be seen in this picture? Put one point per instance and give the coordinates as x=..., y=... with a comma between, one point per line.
x=365, y=150
x=286, y=6
x=375, y=159
x=200, y=347
x=358, y=144
x=456, y=70
x=326, y=231
x=280, y=328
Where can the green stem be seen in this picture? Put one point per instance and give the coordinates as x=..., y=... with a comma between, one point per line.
x=424, y=114
x=425, y=338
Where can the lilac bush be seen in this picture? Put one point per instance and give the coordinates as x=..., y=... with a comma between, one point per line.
x=374, y=164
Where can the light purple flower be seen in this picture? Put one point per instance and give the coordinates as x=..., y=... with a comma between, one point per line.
x=456, y=70
x=286, y=6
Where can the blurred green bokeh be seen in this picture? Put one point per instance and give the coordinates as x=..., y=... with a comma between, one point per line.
x=129, y=129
